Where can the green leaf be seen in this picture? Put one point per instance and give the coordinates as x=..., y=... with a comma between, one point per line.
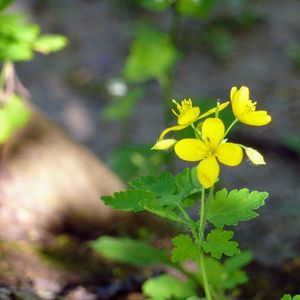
x=184, y=249
x=238, y=261
x=163, y=186
x=155, y=5
x=13, y=115
x=5, y=3
x=289, y=297
x=166, y=287
x=194, y=8
x=218, y=243
x=235, y=206
x=128, y=201
x=123, y=107
x=17, y=112
x=129, y=251
x=152, y=55
x=215, y=272
x=159, y=195
x=131, y=161
x=50, y=43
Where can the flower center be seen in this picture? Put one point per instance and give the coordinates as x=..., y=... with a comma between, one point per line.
x=185, y=105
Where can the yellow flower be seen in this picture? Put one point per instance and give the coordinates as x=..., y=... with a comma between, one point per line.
x=211, y=149
x=188, y=114
x=244, y=109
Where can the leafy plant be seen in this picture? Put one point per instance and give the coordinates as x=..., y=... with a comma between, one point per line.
x=175, y=197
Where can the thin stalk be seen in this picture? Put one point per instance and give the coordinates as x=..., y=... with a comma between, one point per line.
x=189, y=221
x=202, y=225
x=230, y=126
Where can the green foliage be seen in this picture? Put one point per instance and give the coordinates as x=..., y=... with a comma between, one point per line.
x=194, y=8
x=166, y=287
x=235, y=206
x=126, y=250
x=289, y=297
x=5, y=3
x=184, y=249
x=155, y=5
x=13, y=115
x=220, y=41
x=129, y=200
x=228, y=275
x=130, y=161
x=293, y=53
x=293, y=142
x=50, y=43
x=218, y=242
x=152, y=55
x=159, y=195
x=19, y=39
x=123, y=107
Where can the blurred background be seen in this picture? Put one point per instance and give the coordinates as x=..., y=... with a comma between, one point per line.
x=111, y=90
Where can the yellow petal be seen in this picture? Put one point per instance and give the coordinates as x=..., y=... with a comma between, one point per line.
x=254, y=156
x=240, y=101
x=174, y=128
x=191, y=149
x=232, y=92
x=229, y=154
x=189, y=116
x=208, y=171
x=213, y=131
x=256, y=118
x=213, y=110
x=164, y=144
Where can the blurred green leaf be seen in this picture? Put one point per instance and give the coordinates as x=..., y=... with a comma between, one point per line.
x=220, y=41
x=123, y=107
x=235, y=206
x=130, y=161
x=293, y=53
x=5, y=3
x=152, y=55
x=168, y=287
x=229, y=275
x=289, y=297
x=129, y=251
x=218, y=243
x=155, y=5
x=293, y=142
x=13, y=115
x=50, y=43
x=17, y=112
x=195, y=8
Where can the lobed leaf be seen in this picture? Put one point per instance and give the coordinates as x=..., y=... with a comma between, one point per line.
x=129, y=251
x=218, y=243
x=235, y=206
x=184, y=249
x=289, y=297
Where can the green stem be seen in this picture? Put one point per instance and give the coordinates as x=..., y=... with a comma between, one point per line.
x=196, y=131
x=231, y=125
x=204, y=276
x=202, y=224
x=188, y=221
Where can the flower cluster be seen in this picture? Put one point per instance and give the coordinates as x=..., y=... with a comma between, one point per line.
x=210, y=146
